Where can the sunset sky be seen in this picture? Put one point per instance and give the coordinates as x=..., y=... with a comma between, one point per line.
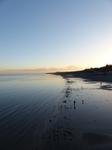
x=55, y=34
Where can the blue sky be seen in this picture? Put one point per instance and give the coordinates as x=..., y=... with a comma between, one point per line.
x=55, y=33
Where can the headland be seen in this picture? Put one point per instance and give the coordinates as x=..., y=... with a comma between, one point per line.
x=103, y=74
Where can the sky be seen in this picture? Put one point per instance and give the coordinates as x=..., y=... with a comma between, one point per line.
x=55, y=35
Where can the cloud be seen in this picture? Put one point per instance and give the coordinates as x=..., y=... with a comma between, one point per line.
x=73, y=68
x=40, y=70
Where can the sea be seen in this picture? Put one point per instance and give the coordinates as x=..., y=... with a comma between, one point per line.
x=50, y=112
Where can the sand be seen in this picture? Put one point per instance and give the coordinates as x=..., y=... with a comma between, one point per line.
x=103, y=77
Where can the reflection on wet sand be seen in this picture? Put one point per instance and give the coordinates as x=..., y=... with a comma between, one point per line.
x=61, y=130
x=96, y=138
x=71, y=128
x=106, y=87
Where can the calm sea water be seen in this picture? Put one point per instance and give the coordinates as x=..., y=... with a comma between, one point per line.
x=49, y=112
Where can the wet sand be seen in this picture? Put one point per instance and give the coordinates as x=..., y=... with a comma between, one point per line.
x=103, y=77
x=45, y=112
x=67, y=131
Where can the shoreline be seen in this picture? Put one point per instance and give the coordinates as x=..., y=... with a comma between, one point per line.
x=90, y=76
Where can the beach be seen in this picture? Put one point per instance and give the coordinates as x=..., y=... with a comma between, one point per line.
x=82, y=116
x=93, y=76
x=44, y=111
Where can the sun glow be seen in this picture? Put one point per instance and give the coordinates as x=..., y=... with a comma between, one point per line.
x=108, y=59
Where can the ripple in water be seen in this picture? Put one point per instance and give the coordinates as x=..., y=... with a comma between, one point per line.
x=50, y=112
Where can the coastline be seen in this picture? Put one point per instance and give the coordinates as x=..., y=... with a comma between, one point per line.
x=90, y=76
